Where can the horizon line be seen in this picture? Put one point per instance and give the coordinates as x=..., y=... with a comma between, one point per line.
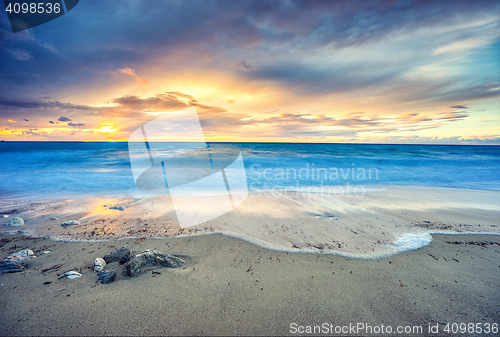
x=347, y=143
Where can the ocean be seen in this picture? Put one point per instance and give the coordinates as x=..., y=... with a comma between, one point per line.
x=51, y=169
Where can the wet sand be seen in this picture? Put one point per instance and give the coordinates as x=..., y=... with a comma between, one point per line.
x=231, y=287
x=381, y=222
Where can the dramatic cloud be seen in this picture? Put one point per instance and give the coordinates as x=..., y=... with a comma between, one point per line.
x=259, y=69
x=158, y=103
x=217, y=121
x=26, y=105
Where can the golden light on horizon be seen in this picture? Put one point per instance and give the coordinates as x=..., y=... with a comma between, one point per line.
x=106, y=128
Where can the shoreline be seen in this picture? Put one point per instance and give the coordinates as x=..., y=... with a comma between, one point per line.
x=258, y=245
x=138, y=194
x=382, y=223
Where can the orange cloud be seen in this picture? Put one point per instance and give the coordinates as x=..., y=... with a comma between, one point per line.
x=131, y=72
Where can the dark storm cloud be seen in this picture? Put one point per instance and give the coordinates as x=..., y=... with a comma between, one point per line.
x=64, y=119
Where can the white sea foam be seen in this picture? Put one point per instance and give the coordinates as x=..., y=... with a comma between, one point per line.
x=412, y=241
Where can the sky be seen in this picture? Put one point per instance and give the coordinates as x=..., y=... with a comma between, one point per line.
x=401, y=72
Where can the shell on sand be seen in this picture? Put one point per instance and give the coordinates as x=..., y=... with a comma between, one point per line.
x=99, y=264
x=71, y=274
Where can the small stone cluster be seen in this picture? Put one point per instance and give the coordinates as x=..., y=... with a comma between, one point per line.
x=121, y=255
x=16, y=262
x=135, y=264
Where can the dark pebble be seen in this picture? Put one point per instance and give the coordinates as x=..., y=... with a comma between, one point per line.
x=107, y=276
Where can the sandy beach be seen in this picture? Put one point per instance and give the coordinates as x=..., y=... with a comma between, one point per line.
x=230, y=287
x=282, y=265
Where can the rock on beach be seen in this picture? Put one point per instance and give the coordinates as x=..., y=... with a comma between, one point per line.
x=70, y=223
x=16, y=262
x=121, y=208
x=151, y=258
x=121, y=255
x=7, y=266
x=107, y=276
x=23, y=253
x=17, y=221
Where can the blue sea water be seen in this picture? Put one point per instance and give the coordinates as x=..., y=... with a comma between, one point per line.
x=81, y=168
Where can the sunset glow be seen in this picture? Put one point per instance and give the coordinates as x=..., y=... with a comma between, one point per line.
x=106, y=128
x=410, y=74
